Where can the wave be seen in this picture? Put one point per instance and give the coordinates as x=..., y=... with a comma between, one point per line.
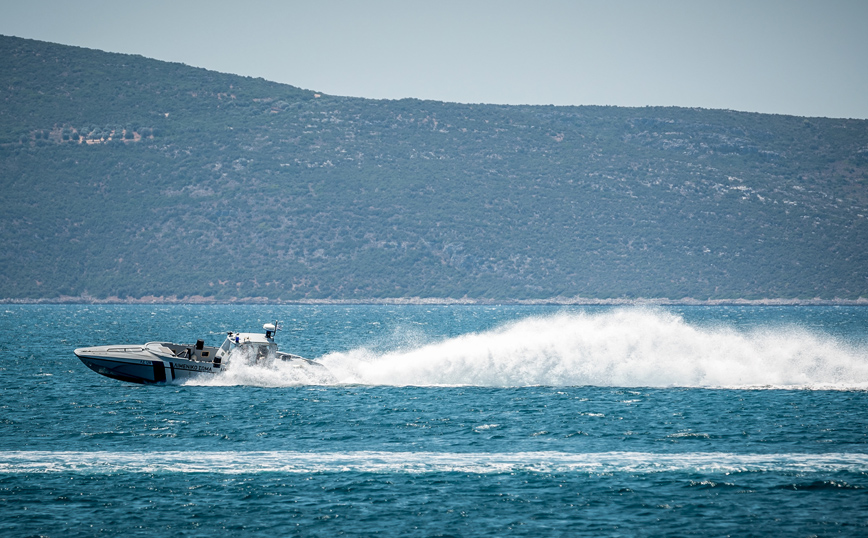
x=240, y=462
x=624, y=348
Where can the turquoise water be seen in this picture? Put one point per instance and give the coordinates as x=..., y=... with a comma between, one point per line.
x=444, y=421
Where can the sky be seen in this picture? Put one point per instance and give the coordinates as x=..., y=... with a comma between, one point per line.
x=805, y=58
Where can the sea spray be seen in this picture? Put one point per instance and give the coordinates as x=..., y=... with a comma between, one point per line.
x=631, y=347
x=246, y=367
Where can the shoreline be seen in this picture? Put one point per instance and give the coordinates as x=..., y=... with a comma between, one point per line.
x=555, y=301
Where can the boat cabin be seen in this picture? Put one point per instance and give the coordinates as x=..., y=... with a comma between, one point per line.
x=262, y=345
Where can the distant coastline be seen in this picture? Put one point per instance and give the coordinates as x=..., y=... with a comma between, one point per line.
x=563, y=301
x=216, y=185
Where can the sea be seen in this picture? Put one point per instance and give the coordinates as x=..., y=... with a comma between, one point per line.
x=439, y=420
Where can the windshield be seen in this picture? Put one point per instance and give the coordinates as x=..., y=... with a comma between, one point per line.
x=265, y=350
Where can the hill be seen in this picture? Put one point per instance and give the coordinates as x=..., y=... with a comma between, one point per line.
x=129, y=177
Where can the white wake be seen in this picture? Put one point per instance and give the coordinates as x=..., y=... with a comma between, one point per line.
x=623, y=348
x=246, y=463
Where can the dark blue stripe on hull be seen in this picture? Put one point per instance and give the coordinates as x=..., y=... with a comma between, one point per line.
x=159, y=372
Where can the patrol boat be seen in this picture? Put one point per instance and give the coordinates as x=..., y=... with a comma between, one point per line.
x=163, y=362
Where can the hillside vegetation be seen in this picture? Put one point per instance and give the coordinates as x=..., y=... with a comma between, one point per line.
x=124, y=176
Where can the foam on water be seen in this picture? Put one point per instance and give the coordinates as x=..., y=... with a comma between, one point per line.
x=626, y=348
x=244, y=368
x=237, y=462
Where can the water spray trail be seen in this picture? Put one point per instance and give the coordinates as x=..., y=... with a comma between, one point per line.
x=626, y=348
x=243, y=367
